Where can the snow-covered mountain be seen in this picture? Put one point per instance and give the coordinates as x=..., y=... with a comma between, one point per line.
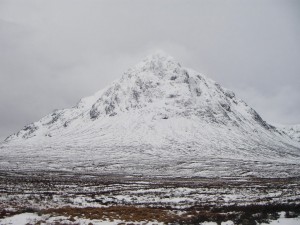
x=293, y=131
x=158, y=104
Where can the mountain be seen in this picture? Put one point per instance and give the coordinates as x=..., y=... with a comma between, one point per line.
x=157, y=111
x=293, y=131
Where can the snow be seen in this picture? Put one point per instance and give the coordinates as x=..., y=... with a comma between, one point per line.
x=32, y=218
x=284, y=221
x=20, y=219
x=213, y=223
x=293, y=131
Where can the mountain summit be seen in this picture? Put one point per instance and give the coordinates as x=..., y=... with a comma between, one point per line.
x=157, y=111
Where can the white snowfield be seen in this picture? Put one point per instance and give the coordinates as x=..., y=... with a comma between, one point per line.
x=159, y=119
x=33, y=218
x=27, y=218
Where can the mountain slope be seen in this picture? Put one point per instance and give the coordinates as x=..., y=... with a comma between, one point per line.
x=293, y=131
x=160, y=109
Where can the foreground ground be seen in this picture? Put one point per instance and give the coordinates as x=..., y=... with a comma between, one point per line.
x=71, y=198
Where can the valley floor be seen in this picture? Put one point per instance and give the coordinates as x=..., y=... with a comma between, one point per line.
x=59, y=197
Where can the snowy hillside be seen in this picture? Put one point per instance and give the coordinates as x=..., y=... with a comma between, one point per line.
x=160, y=109
x=293, y=131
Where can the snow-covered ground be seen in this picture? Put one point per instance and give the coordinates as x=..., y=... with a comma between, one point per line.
x=176, y=161
x=126, y=198
x=33, y=218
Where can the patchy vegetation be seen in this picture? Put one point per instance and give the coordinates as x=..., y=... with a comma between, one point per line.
x=135, y=199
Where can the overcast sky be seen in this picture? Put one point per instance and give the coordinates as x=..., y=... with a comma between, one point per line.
x=52, y=53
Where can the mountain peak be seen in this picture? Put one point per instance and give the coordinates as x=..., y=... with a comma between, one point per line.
x=159, y=63
x=159, y=55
